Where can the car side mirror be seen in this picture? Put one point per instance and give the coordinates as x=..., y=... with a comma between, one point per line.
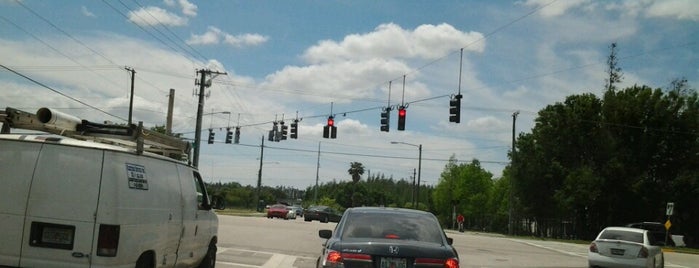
x=325, y=234
x=450, y=241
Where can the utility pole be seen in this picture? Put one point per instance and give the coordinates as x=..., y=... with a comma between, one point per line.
x=259, y=175
x=170, y=106
x=419, y=171
x=315, y=194
x=414, y=176
x=133, y=75
x=203, y=84
x=510, y=224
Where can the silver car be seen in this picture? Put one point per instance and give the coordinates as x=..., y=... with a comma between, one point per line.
x=625, y=247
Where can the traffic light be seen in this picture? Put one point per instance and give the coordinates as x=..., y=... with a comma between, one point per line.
x=294, y=129
x=385, y=119
x=211, y=136
x=229, y=135
x=274, y=133
x=284, y=130
x=236, y=140
x=455, y=109
x=330, y=130
x=401, y=118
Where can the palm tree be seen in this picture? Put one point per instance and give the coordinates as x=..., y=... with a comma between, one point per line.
x=356, y=170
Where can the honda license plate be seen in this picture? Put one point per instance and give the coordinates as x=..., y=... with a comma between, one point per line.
x=393, y=263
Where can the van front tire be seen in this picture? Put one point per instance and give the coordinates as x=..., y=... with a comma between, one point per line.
x=209, y=260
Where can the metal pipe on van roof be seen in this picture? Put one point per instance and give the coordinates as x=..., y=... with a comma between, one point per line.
x=56, y=119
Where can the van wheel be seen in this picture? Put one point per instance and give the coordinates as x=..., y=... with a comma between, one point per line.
x=145, y=261
x=209, y=260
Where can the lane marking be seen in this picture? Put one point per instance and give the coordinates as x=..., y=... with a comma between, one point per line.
x=277, y=260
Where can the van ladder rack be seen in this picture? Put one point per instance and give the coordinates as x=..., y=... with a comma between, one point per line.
x=133, y=136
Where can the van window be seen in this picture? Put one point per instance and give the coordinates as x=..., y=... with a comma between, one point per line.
x=202, y=197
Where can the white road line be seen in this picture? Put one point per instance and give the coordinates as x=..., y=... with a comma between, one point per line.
x=552, y=249
x=280, y=260
x=276, y=261
x=237, y=264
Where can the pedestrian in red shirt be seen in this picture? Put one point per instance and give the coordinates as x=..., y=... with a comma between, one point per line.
x=460, y=220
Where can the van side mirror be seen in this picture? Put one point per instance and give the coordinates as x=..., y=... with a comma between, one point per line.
x=327, y=234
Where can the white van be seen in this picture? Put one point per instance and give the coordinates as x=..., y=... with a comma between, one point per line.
x=75, y=203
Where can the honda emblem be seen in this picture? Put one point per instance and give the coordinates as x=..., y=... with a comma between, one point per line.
x=393, y=250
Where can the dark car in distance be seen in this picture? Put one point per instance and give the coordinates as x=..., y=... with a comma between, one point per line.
x=322, y=214
x=656, y=230
x=387, y=237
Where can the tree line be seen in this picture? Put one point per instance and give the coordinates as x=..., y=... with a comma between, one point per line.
x=592, y=162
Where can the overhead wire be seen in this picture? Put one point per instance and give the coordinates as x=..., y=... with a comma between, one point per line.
x=60, y=93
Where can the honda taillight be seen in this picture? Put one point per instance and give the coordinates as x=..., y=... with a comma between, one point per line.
x=451, y=263
x=593, y=247
x=448, y=263
x=337, y=259
x=356, y=257
x=108, y=240
x=333, y=257
x=643, y=253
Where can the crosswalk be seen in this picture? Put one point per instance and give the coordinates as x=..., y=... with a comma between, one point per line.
x=246, y=258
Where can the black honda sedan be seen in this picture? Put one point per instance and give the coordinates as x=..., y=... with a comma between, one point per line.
x=387, y=237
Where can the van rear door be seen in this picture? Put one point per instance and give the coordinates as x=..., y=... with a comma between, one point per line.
x=17, y=161
x=61, y=208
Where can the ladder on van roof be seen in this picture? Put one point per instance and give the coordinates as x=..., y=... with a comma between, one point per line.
x=133, y=136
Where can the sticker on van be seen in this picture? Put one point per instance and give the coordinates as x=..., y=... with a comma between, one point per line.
x=137, y=176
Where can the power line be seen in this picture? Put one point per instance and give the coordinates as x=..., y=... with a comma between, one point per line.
x=170, y=31
x=64, y=32
x=369, y=155
x=59, y=93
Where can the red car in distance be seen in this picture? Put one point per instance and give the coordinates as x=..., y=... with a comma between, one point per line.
x=277, y=211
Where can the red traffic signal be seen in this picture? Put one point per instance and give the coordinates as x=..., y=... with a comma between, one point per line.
x=330, y=130
x=401, y=117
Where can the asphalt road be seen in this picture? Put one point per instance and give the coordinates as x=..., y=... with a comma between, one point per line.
x=253, y=242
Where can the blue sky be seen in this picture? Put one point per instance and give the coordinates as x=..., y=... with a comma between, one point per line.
x=289, y=57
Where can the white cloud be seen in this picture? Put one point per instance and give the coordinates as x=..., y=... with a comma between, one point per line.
x=87, y=12
x=188, y=9
x=556, y=8
x=678, y=9
x=245, y=39
x=486, y=124
x=521, y=91
x=210, y=37
x=391, y=41
x=215, y=36
x=341, y=82
x=150, y=16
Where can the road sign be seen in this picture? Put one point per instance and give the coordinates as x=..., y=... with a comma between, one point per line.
x=668, y=224
x=670, y=208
